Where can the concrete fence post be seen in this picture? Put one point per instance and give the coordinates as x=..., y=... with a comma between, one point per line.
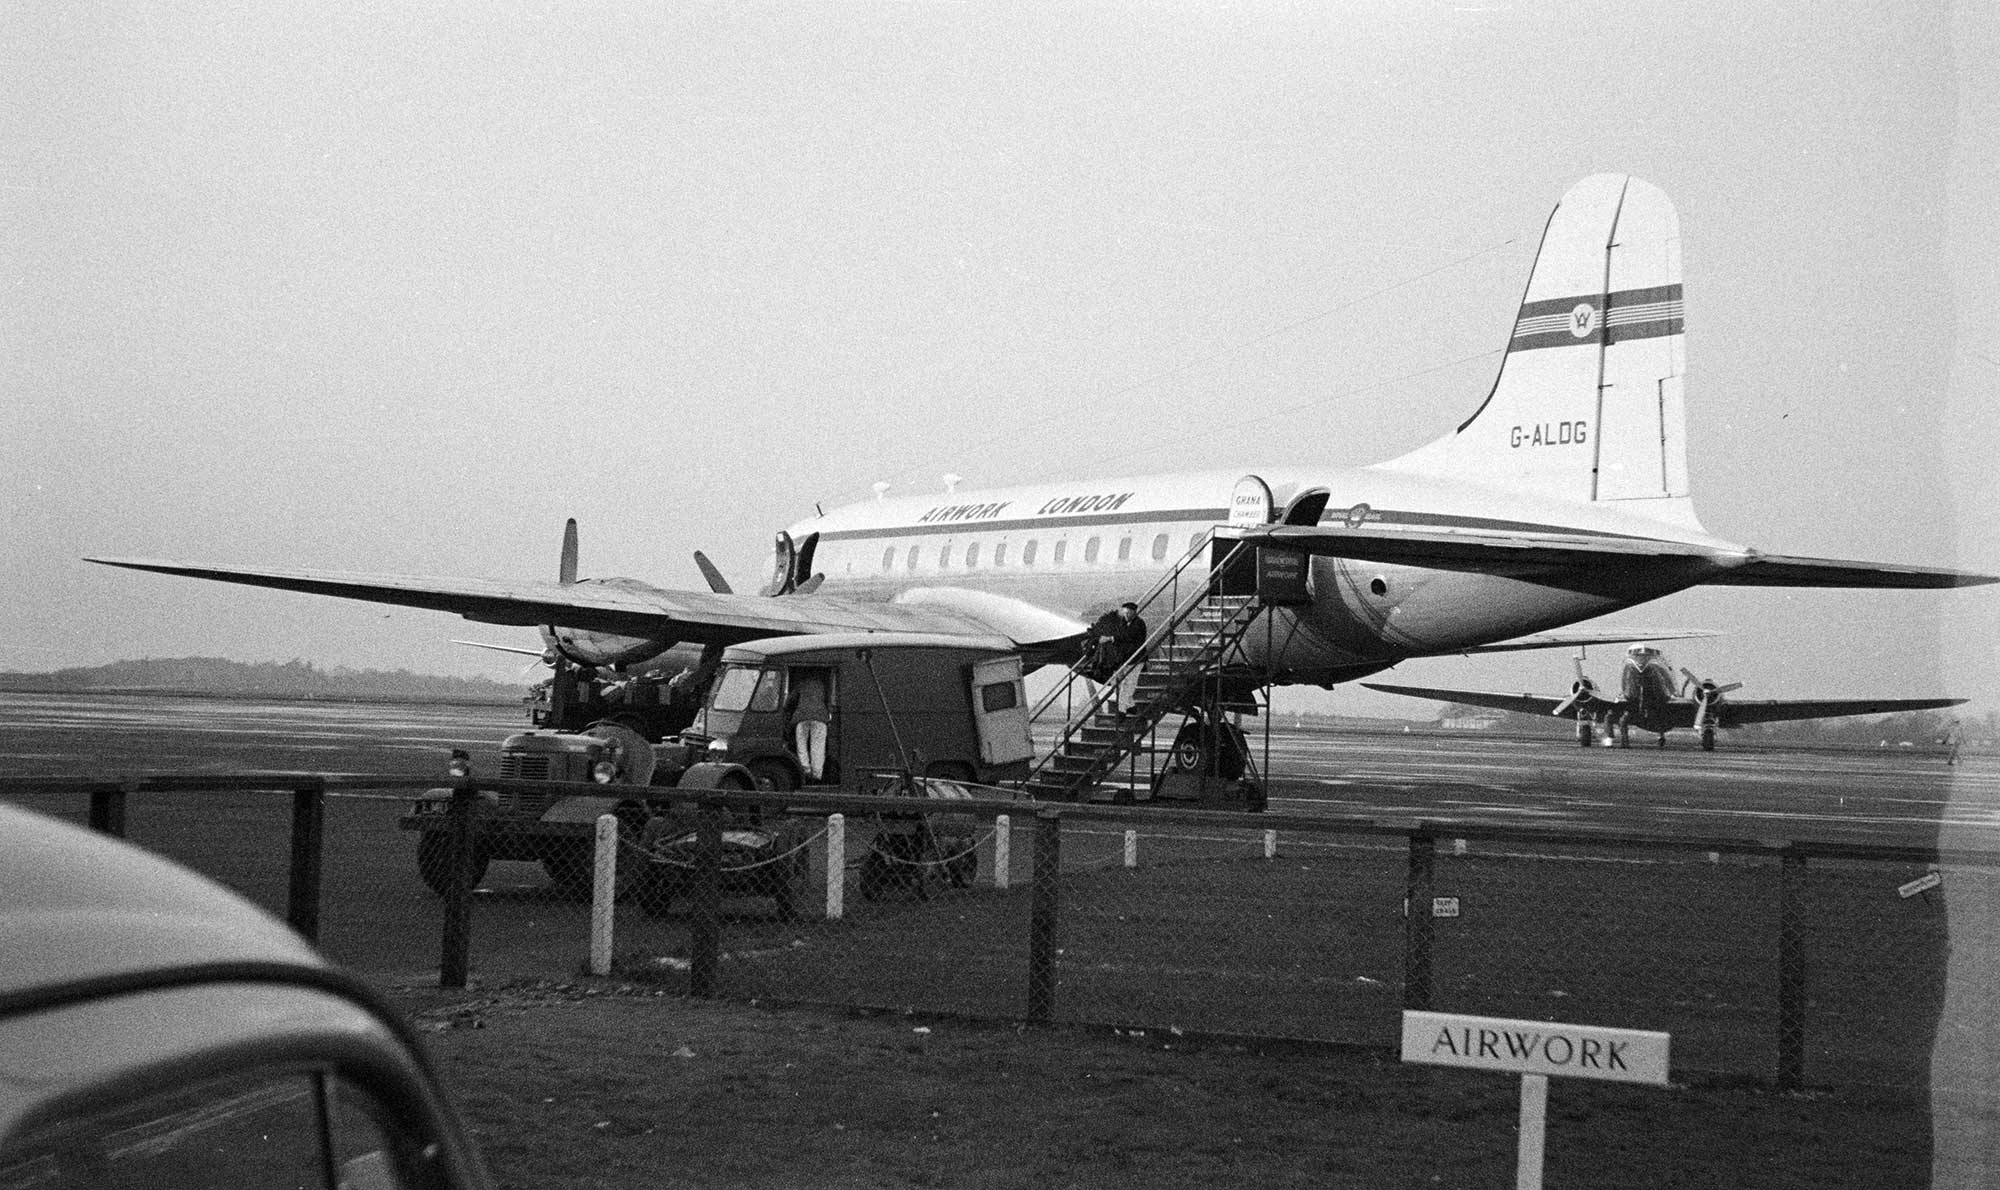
x=1003, y=849
x=603, y=893
x=1270, y=844
x=1131, y=849
x=836, y=866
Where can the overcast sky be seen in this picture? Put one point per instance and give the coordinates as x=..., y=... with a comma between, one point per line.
x=393, y=290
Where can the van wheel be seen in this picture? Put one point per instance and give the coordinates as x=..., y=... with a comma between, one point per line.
x=772, y=775
x=434, y=862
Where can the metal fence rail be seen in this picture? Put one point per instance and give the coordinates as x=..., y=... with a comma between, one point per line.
x=1790, y=961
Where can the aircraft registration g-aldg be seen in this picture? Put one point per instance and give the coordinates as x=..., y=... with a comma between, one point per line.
x=1650, y=699
x=1563, y=497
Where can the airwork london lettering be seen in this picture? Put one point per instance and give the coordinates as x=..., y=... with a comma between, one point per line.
x=963, y=512
x=1063, y=504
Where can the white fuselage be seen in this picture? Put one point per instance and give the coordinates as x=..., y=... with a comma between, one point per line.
x=1078, y=548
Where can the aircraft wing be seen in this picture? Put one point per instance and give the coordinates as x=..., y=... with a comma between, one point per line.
x=614, y=606
x=1734, y=712
x=1526, y=704
x=1568, y=558
x=1564, y=638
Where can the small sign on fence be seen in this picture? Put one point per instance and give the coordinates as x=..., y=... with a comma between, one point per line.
x=1923, y=883
x=1444, y=906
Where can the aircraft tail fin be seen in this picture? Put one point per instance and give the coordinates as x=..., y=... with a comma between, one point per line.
x=1589, y=404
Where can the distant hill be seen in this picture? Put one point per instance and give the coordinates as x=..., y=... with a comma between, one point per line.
x=292, y=679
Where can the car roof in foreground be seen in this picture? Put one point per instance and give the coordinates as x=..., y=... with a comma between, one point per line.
x=76, y=906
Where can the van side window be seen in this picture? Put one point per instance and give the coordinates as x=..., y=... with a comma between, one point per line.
x=999, y=696
x=1028, y=553
x=1090, y=550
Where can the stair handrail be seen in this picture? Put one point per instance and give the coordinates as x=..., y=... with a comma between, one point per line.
x=1200, y=545
x=1143, y=653
x=1173, y=620
x=1226, y=632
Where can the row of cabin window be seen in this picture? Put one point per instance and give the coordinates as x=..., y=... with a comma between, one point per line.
x=914, y=556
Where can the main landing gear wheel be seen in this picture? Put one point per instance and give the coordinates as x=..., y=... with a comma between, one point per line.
x=1584, y=734
x=1708, y=741
x=434, y=862
x=1209, y=747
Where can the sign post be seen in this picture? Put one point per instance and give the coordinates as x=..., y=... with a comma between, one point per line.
x=1534, y=1050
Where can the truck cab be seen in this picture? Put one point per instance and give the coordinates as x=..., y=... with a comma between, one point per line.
x=932, y=705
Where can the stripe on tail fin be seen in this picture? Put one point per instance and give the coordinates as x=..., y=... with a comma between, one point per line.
x=1590, y=403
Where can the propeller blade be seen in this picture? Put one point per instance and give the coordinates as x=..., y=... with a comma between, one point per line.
x=566, y=570
x=1688, y=680
x=716, y=582
x=1722, y=690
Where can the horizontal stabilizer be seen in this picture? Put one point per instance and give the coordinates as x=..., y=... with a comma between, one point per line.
x=1776, y=570
x=1563, y=638
x=480, y=644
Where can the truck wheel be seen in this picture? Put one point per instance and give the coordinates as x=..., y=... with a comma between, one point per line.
x=963, y=869
x=434, y=862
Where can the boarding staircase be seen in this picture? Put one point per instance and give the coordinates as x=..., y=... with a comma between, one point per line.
x=1197, y=628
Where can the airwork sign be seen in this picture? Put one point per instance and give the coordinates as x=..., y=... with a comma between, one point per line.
x=1535, y=1047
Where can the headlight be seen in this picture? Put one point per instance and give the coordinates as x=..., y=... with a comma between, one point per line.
x=604, y=771
x=718, y=747
x=460, y=766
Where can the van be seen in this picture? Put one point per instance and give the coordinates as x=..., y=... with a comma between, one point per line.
x=930, y=705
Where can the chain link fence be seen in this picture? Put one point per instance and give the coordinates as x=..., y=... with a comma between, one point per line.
x=1773, y=961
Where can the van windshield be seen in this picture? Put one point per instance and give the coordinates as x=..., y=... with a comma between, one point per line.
x=742, y=687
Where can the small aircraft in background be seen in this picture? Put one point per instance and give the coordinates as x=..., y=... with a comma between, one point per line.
x=1650, y=700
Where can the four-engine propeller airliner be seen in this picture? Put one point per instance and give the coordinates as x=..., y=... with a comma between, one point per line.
x=1650, y=699
x=1563, y=497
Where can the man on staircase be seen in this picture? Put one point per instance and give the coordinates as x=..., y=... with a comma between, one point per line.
x=1114, y=638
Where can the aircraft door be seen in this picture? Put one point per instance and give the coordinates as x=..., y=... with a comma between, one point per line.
x=1000, y=711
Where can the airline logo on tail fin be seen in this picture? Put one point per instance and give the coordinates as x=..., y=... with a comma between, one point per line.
x=1633, y=314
